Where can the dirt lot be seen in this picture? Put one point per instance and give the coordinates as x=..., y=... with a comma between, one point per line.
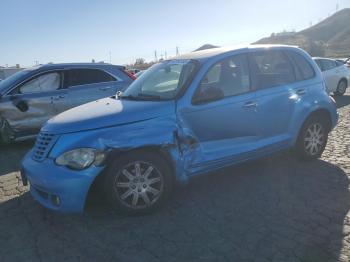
x=276, y=209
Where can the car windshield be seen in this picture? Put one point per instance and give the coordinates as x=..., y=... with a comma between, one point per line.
x=162, y=81
x=7, y=82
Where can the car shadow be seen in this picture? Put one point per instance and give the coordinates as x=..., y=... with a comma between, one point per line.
x=276, y=209
x=342, y=100
x=12, y=155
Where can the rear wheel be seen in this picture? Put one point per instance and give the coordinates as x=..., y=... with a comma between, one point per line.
x=138, y=183
x=341, y=88
x=313, y=138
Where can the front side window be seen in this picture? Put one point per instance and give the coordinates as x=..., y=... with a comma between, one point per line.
x=226, y=78
x=76, y=77
x=161, y=81
x=319, y=63
x=44, y=83
x=272, y=68
x=328, y=64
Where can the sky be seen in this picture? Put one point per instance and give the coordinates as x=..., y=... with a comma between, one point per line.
x=42, y=31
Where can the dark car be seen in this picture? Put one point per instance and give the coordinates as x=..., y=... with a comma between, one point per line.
x=32, y=96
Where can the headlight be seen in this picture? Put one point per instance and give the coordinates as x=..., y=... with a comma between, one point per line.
x=80, y=158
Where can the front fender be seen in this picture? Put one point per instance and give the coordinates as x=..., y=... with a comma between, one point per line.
x=158, y=132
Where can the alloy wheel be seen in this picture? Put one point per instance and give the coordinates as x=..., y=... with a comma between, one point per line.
x=139, y=185
x=314, y=139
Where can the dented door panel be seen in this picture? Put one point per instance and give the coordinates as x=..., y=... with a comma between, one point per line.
x=218, y=132
x=26, y=114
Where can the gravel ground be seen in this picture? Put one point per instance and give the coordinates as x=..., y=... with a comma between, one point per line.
x=275, y=209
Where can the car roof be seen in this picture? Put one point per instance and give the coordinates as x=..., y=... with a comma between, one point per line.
x=77, y=65
x=324, y=58
x=212, y=52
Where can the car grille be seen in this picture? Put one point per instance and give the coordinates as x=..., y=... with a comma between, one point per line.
x=43, y=145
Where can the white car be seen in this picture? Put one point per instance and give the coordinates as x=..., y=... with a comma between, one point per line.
x=336, y=75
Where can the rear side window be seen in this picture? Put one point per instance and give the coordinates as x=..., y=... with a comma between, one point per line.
x=303, y=70
x=339, y=63
x=75, y=77
x=271, y=68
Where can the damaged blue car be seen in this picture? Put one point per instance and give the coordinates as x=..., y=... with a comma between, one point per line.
x=183, y=117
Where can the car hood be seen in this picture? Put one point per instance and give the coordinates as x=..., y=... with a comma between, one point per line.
x=107, y=112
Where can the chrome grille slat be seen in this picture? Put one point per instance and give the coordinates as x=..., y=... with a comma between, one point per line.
x=43, y=145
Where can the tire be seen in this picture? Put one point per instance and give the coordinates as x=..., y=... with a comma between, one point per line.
x=312, y=138
x=341, y=88
x=138, y=183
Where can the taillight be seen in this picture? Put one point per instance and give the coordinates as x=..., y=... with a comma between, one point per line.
x=133, y=77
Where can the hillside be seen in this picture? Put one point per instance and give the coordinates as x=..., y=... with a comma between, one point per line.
x=331, y=37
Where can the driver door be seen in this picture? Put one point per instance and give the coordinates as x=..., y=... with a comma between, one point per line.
x=220, y=124
x=30, y=105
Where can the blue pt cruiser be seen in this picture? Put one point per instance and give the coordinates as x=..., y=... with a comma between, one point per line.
x=183, y=117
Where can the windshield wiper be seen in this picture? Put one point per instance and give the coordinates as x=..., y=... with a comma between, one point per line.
x=157, y=97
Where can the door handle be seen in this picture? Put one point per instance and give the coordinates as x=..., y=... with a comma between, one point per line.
x=301, y=92
x=250, y=105
x=58, y=97
x=105, y=88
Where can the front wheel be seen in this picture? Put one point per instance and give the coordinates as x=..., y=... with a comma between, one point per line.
x=138, y=183
x=312, y=139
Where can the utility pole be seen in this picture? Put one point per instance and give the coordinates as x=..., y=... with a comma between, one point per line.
x=337, y=7
x=177, y=51
x=110, y=57
x=165, y=54
x=155, y=56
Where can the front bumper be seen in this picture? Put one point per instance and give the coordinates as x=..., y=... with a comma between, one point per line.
x=56, y=187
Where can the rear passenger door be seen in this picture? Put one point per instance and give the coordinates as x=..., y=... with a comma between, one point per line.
x=274, y=77
x=86, y=85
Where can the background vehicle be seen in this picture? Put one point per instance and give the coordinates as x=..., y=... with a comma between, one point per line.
x=184, y=117
x=32, y=96
x=345, y=61
x=138, y=74
x=336, y=74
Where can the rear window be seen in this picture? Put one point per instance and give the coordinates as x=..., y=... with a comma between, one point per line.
x=76, y=77
x=303, y=70
x=272, y=68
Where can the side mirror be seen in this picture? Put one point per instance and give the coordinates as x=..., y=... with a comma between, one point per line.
x=20, y=104
x=207, y=94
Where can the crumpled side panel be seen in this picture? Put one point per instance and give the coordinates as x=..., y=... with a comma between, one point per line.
x=158, y=132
